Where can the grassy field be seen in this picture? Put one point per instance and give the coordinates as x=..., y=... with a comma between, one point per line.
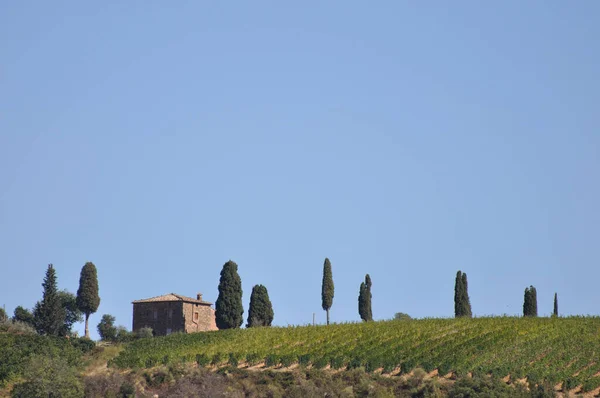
x=555, y=350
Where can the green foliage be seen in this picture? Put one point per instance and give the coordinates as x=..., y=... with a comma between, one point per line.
x=107, y=329
x=555, y=312
x=530, y=302
x=462, y=303
x=401, y=316
x=261, y=309
x=23, y=315
x=364, y=300
x=16, y=351
x=229, y=309
x=88, y=298
x=49, y=314
x=145, y=333
x=48, y=377
x=68, y=302
x=17, y=327
x=499, y=346
x=126, y=390
x=327, y=288
x=3, y=316
x=202, y=360
x=83, y=344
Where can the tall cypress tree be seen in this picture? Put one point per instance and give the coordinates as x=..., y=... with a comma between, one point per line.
x=530, y=302
x=458, y=295
x=88, y=299
x=49, y=315
x=534, y=306
x=526, y=302
x=327, y=288
x=261, y=309
x=369, y=297
x=465, y=301
x=362, y=310
x=555, y=312
x=228, y=308
x=364, y=300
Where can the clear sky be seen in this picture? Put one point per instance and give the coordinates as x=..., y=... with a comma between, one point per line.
x=400, y=139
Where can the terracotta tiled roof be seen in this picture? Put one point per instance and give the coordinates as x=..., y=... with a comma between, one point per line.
x=171, y=297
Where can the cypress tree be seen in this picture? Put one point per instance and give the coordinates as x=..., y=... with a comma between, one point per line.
x=458, y=295
x=369, y=297
x=534, y=307
x=526, y=303
x=555, y=312
x=228, y=308
x=88, y=299
x=362, y=292
x=530, y=302
x=327, y=288
x=49, y=315
x=261, y=309
x=465, y=302
x=364, y=300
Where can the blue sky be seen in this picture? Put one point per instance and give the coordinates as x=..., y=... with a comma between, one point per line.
x=400, y=139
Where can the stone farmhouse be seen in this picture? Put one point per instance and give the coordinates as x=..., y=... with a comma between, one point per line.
x=172, y=312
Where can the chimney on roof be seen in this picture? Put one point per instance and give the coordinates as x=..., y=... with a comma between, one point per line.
x=199, y=296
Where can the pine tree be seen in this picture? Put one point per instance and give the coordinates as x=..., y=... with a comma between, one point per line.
x=88, y=299
x=327, y=288
x=49, y=315
x=260, y=312
x=555, y=313
x=465, y=301
x=228, y=308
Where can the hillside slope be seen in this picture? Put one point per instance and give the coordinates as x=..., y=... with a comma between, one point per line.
x=555, y=350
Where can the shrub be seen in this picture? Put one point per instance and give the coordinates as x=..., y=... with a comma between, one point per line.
x=48, y=377
x=252, y=359
x=106, y=328
x=271, y=360
x=83, y=344
x=124, y=335
x=16, y=327
x=232, y=361
x=158, y=378
x=202, y=360
x=103, y=385
x=216, y=359
x=304, y=360
x=144, y=333
x=127, y=390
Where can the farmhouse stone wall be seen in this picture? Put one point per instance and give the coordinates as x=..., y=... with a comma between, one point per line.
x=163, y=317
x=173, y=313
x=202, y=322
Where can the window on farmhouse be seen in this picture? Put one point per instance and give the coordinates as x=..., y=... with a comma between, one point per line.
x=155, y=314
x=195, y=316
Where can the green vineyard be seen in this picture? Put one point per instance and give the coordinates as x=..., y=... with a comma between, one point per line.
x=555, y=350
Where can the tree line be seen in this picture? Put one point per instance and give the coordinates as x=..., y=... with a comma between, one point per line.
x=58, y=310
x=462, y=304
